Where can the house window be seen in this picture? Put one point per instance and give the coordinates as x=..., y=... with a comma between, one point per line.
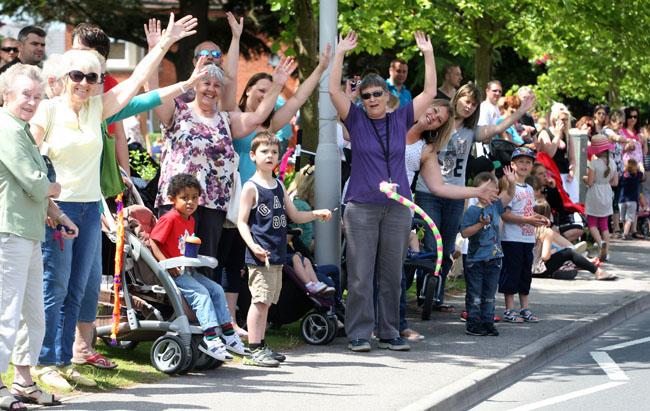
x=123, y=55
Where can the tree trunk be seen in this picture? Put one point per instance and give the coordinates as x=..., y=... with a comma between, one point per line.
x=183, y=54
x=614, y=92
x=483, y=61
x=306, y=45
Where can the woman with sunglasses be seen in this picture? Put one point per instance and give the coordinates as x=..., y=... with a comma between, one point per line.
x=449, y=160
x=600, y=118
x=555, y=142
x=633, y=149
x=70, y=126
x=376, y=228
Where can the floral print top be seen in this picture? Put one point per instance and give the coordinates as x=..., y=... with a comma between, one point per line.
x=202, y=147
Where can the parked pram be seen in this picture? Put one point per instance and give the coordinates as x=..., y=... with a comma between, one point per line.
x=319, y=315
x=153, y=307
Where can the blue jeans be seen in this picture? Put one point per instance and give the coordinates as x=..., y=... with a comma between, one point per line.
x=88, y=309
x=65, y=277
x=446, y=214
x=482, y=279
x=206, y=298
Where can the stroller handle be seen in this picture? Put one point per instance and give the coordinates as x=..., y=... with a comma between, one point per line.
x=200, y=261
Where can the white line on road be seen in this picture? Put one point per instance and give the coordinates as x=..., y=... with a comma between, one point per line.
x=567, y=397
x=625, y=344
x=613, y=371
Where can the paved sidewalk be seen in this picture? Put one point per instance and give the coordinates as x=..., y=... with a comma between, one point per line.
x=448, y=370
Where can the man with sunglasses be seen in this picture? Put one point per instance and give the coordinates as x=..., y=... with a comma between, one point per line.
x=8, y=50
x=31, y=49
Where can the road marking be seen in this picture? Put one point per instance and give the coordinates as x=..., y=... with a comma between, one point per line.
x=625, y=344
x=567, y=397
x=613, y=371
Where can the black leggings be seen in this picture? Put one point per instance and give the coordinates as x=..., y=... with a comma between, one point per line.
x=568, y=254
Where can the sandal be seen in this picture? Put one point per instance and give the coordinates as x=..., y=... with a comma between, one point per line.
x=511, y=316
x=96, y=360
x=32, y=394
x=528, y=316
x=444, y=308
x=8, y=401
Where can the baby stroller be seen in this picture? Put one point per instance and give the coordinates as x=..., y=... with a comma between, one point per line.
x=153, y=307
x=319, y=325
x=421, y=267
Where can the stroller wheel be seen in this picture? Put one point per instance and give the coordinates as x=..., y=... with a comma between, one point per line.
x=203, y=361
x=168, y=354
x=332, y=329
x=316, y=329
x=430, y=287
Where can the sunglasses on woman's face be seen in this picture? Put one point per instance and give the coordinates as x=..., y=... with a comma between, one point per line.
x=214, y=53
x=9, y=49
x=375, y=94
x=78, y=76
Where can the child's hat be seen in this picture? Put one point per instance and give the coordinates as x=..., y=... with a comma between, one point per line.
x=599, y=144
x=523, y=152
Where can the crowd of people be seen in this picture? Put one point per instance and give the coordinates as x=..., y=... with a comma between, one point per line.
x=495, y=171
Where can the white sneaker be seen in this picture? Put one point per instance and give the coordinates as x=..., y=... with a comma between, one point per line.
x=234, y=345
x=315, y=288
x=215, y=349
x=327, y=291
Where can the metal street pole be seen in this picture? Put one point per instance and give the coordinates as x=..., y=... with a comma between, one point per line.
x=328, y=162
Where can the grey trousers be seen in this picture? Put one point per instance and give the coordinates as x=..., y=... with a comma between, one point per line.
x=376, y=243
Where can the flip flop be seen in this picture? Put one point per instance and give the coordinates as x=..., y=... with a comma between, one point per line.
x=96, y=360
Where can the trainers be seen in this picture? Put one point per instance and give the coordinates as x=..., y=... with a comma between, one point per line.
x=315, y=288
x=50, y=376
x=475, y=329
x=275, y=355
x=260, y=357
x=70, y=373
x=580, y=247
x=216, y=349
x=490, y=329
x=327, y=291
x=234, y=345
x=359, y=345
x=394, y=344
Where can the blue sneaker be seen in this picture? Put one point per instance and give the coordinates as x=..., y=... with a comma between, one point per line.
x=359, y=345
x=394, y=344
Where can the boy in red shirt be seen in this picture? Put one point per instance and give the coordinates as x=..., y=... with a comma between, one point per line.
x=206, y=297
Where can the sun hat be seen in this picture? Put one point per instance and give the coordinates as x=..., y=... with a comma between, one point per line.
x=599, y=143
x=523, y=152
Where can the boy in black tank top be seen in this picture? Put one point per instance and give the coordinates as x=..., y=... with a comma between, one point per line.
x=262, y=223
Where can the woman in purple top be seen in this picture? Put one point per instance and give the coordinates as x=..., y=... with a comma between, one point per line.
x=376, y=228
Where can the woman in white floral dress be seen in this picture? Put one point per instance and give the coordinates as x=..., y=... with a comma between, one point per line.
x=197, y=139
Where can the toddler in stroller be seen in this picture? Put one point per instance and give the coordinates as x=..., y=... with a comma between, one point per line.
x=172, y=237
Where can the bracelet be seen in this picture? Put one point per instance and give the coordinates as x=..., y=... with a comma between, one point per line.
x=59, y=217
x=183, y=89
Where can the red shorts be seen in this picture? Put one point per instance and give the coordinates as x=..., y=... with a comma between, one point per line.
x=600, y=222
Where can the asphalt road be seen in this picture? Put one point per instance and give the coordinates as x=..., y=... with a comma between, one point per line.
x=610, y=372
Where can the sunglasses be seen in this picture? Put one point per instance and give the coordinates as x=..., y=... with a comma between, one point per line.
x=78, y=76
x=633, y=117
x=214, y=53
x=9, y=49
x=375, y=94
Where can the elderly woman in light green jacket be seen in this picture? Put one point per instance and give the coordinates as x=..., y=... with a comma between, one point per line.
x=25, y=194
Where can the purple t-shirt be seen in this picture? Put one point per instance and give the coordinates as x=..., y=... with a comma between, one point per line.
x=368, y=160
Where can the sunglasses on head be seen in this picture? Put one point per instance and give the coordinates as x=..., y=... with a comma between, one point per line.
x=214, y=53
x=9, y=49
x=78, y=76
x=375, y=94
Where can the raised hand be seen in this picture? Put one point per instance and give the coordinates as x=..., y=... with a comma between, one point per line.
x=510, y=174
x=200, y=71
x=347, y=43
x=528, y=102
x=235, y=27
x=177, y=30
x=423, y=41
x=487, y=192
x=324, y=59
x=283, y=70
x=153, y=32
